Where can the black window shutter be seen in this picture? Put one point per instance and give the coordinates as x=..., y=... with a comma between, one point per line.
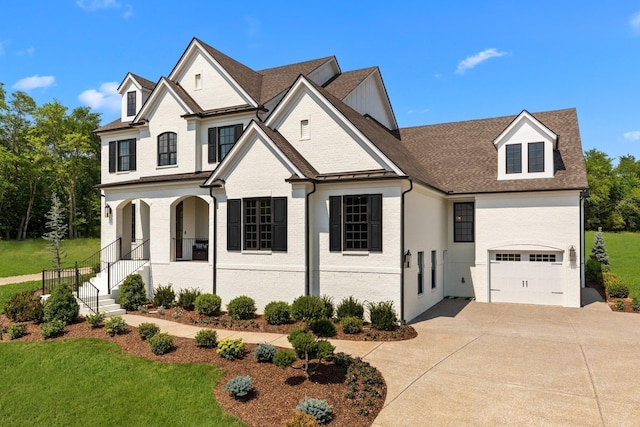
x=375, y=222
x=132, y=155
x=234, y=235
x=213, y=135
x=112, y=156
x=335, y=223
x=237, y=131
x=279, y=223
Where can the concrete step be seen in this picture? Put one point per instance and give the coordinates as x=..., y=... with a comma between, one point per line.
x=106, y=304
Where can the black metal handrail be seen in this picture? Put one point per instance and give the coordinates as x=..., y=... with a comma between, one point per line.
x=128, y=264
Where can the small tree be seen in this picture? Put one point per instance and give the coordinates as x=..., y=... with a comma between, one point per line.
x=57, y=230
x=308, y=348
x=598, y=252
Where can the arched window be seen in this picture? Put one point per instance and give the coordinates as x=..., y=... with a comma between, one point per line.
x=167, y=149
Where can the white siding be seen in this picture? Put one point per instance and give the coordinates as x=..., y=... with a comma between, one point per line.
x=105, y=176
x=371, y=98
x=460, y=261
x=202, y=155
x=326, y=71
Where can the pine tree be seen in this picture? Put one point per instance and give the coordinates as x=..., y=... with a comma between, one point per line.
x=57, y=227
x=598, y=252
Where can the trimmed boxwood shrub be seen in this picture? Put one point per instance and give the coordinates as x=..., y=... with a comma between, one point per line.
x=132, y=293
x=147, y=330
x=207, y=338
x=61, y=305
x=161, y=343
x=308, y=307
x=208, y=304
x=324, y=328
x=24, y=306
x=382, y=315
x=164, y=296
x=264, y=352
x=284, y=358
x=239, y=386
x=618, y=290
x=351, y=325
x=350, y=307
x=277, y=313
x=94, y=319
x=17, y=330
x=115, y=326
x=187, y=298
x=53, y=328
x=241, y=308
x=320, y=409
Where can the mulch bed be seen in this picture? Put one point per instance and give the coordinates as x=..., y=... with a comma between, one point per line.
x=628, y=302
x=259, y=324
x=277, y=391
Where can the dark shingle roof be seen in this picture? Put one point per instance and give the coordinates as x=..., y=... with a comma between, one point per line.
x=278, y=79
x=147, y=84
x=160, y=178
x=114, y=125
x=344, y=83
x=191, y=103
x=461, y=157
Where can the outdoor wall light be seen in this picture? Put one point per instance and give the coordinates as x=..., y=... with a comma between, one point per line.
x=407, y=259
x=107, y=211
x=462, y=281
x=572, y=253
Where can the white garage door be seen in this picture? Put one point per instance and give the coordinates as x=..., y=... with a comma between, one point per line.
x=527, y=277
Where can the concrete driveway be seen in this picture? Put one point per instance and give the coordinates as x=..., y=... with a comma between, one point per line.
x=510, y=364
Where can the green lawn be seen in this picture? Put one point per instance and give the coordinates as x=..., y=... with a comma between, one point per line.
x=32, y=256
x=624, y=256
x=93, y=382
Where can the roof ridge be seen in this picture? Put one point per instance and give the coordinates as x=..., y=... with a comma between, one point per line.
x=324, y=59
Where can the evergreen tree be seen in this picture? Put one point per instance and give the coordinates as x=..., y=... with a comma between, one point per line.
x=57, y=231
x=598, y=252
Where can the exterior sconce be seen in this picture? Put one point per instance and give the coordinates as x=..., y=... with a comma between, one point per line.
x=407, y=259
x=572, y=253
x=462, y=280
x=107, y=211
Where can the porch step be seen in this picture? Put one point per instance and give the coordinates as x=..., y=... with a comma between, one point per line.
x=106, y=305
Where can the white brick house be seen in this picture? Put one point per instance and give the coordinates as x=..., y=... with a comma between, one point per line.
x=297, y=180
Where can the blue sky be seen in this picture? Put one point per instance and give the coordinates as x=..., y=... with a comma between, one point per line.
x=441, y=61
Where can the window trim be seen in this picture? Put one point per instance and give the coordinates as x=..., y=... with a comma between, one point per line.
x=471, y=221
x=531, y=145
x=168, y=153
x=510, y=159
x=214, y=151
x=131, y=103
x=338, y=241
x=237, y=225
x=116, y=156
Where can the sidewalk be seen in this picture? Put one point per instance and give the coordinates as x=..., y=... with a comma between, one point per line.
x=20, y=279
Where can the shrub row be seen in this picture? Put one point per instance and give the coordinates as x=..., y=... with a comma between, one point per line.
x=614, y=285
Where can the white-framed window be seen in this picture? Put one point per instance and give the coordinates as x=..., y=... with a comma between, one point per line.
x=514, y=158
x=542, y=257
x=167, y=149
x=536, y=157
x=509, y=257
x=131, y=103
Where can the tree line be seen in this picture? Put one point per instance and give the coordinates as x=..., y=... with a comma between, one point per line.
x=47, y=149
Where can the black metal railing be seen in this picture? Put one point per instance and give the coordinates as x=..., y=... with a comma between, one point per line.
x=128, y=264
x=191, y=248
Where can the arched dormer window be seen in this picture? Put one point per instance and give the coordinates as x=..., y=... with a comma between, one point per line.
x=167, y=149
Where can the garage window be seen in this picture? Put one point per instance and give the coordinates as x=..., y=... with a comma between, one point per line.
x=542, y=257
x=508, y=257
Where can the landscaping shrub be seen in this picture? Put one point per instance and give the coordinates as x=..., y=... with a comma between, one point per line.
x=277, y=313
x=635, y=304
x=132, y=293
x=598, y=251
x=620, y=305
x=301, y=419
x=207, y=338
x=617, y=290
x=208, y=304
x=239, y=386
x=328, y=306
x=308, y=348
x=324, y=328
x=382, y=315
x=115, y=326
x=320, y=409
x=350, y=307
x=284, y=358
x=95, y=319
x=17, y=330
x=24, y=306
x=187, y=298
x=308, y=308
x=61, y=305
x=164, y=296
x=147, y=330
x=593, y=270
x=230, y=348
x=53, y=328
x=264, y=352
x=351, y=325
x=161, y=343
x=241, y=308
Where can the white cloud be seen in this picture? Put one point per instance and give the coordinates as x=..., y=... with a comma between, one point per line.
x=128, y=11
x=423, y=111
x=106, y=97
x=478, y=58
x=92, y=5
x=632, y=136
x=34, y=82
x=253, y=25
x=634, y=21
x=27, y=52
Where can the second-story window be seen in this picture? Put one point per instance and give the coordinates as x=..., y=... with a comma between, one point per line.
x=131, y=103
x=167, y=149
x=221, y=139
x=122, y=155
x=536, y=157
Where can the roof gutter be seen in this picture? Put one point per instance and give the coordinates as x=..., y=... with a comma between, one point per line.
x=402, y=203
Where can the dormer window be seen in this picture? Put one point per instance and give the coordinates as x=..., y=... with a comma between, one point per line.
x=514, y=158
x=536, y=157
x=131, y=103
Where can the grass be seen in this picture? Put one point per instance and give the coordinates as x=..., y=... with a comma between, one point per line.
x=32, y=256
x=93, y=382
x=624, y=252
x=7, y=290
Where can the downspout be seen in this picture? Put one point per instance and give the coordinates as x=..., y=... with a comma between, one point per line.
x=584, y=194
x=307, y=243
x=215, y=237
x=402, y=249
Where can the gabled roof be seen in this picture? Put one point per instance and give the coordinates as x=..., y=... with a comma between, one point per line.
x=525, y=116
x=275, y=80
x=188, y=103
x=114, y=125
x=461, y=157
x=344, y=83
x=147, y=84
